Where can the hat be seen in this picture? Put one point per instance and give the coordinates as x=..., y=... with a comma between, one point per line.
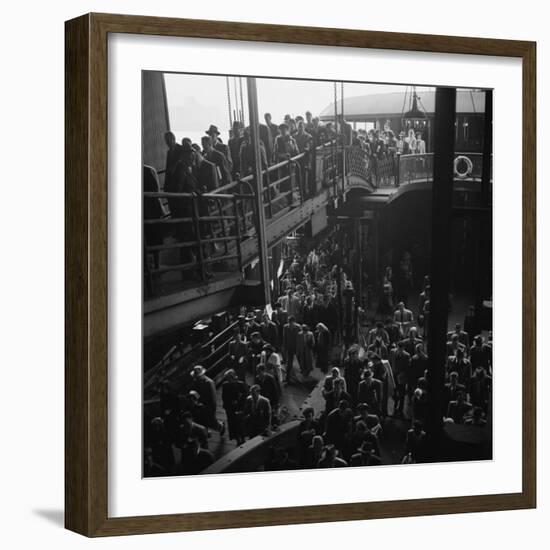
x=212, y=130
x=194, y=394
x=230, y=373
x=198, y=370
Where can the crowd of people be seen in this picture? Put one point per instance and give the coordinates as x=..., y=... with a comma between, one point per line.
x=368, y=374
x=193, y=169
x=202, y=168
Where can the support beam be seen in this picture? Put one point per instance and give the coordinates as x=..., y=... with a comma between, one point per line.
x=259, y=188
x=358, y=230
x=483, y=222
x=442, y=197
x=487, y=149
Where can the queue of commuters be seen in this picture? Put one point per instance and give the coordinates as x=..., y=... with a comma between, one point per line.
x=191, y=167
x=367, y=377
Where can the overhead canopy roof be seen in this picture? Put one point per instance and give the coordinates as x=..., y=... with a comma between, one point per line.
x=390, y=105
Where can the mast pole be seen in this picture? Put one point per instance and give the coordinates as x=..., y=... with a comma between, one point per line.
x=259, y=191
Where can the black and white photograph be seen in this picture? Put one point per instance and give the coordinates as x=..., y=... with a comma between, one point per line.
x=317, y=274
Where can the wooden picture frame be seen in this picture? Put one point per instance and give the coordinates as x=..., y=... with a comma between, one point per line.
x=86, y=424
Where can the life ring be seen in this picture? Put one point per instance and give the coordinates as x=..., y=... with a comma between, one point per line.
x=469, y=167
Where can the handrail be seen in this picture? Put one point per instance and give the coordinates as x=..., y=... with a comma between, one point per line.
x=172, y=195
x=224, y=216
x=198, y=354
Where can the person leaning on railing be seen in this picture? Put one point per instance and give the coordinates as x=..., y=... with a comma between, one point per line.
x=234, y=143
x=246, y=154
x=285, y=145
x=216, y=157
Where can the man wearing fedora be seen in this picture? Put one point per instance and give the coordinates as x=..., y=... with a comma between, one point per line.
x=246, y=154
x=214, y=134
x=234, y=392
x=370, y=392
x=206, y=389
x=251, y=324
x=217, y=158
x=257, y=412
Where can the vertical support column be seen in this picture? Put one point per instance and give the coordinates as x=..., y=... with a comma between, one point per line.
x=442, y=197
x=375, y=230
x=487, y=149
x=359, y=285
x=344, y=143
x=258, y=181
x=483, y=222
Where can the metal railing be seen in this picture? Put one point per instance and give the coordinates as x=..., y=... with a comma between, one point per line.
x=396, y=169
x=205, y=232
x=415, y=168
x=176, y=364
x=202, y=230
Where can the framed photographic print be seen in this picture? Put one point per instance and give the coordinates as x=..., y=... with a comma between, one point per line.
x=300, y=275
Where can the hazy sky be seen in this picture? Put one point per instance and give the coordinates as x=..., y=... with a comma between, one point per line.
x=196, y=101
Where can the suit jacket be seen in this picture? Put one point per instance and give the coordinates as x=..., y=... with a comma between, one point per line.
x=257, y=415
x=224, y=150
x=462, y=367
x=246, y=158
x=270, y=333
x=173, y=156
x=463, y=338
x=450, y=392
x=234, y=145
x=267, y=140
x=268, y=388
x=222, y=165
x=405, y=316
x=338, y=426
x=196, y=431
x=206, y=388
x=410, y=345
x=207, y=176
x=290, y=336
x=371, y=394
x=234, y=395
x=332, y=400
x=402, y=363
